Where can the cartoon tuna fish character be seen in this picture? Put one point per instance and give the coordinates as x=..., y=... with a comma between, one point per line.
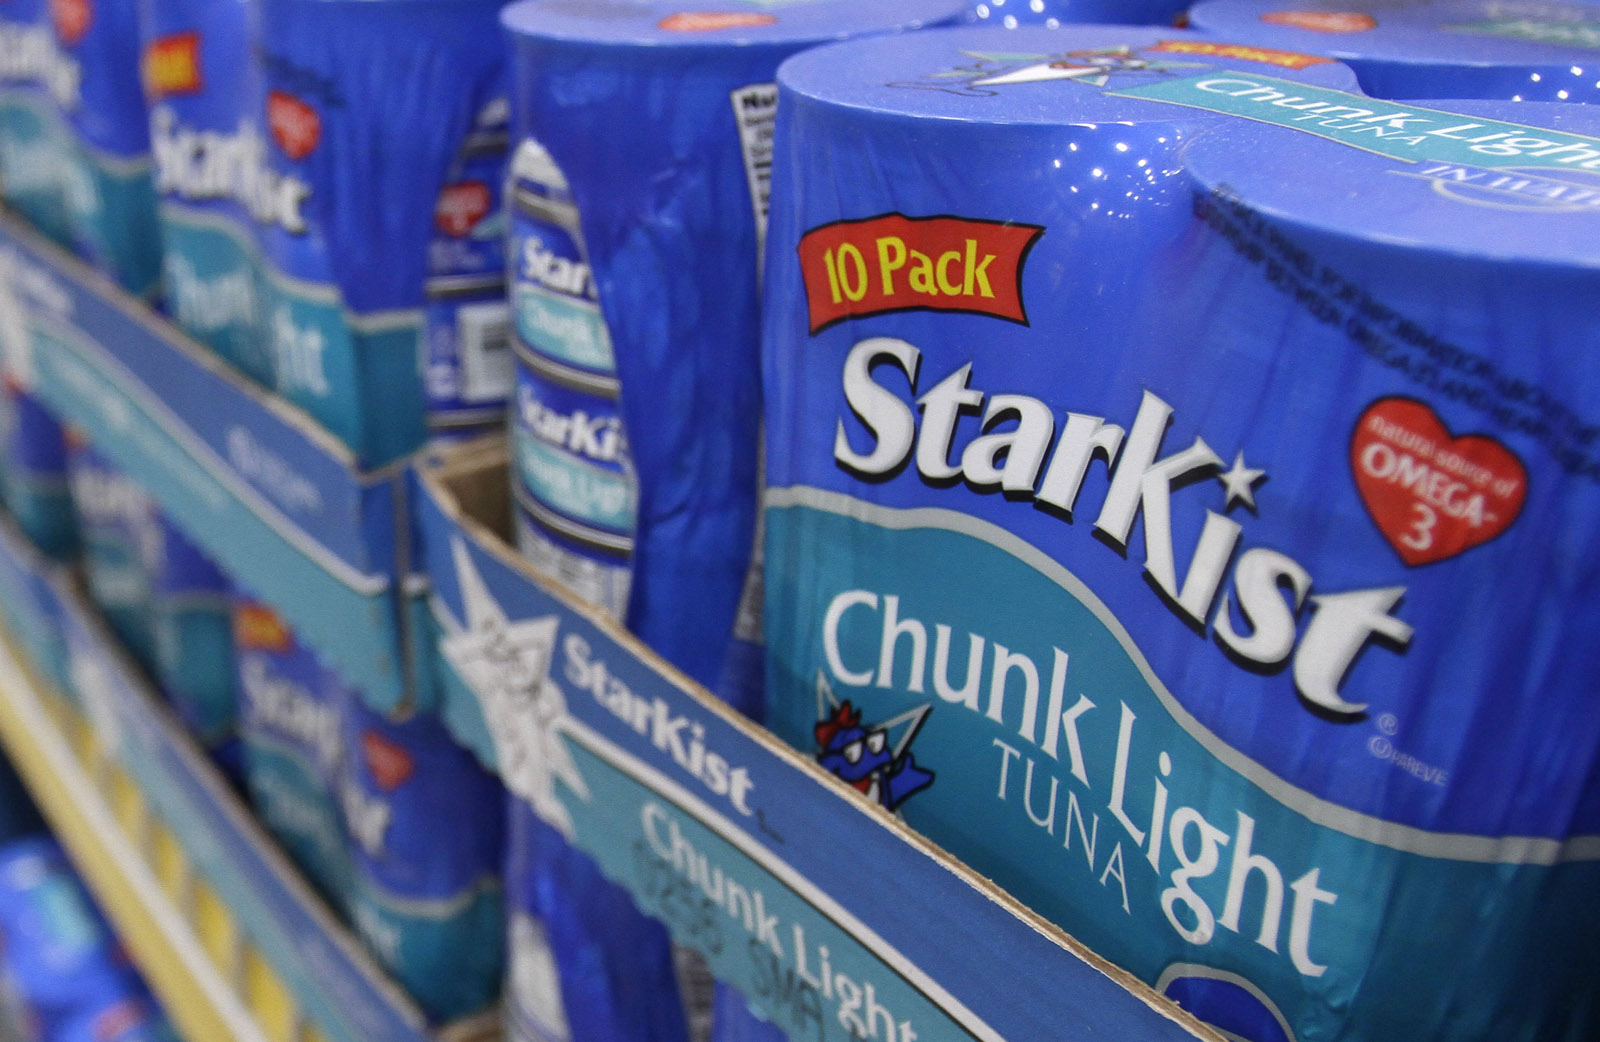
x=860, y=753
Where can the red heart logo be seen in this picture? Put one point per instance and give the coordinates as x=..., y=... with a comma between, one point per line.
x=391, y=765
x=1432, y=495
x=460, y=207
x=71, y=18
x=295, y=126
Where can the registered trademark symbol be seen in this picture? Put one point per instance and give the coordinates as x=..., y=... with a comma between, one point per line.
x=1388, y=724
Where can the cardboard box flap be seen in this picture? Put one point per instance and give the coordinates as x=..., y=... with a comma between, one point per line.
x=833, y=918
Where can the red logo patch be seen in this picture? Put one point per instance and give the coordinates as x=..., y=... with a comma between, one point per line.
x=295, y=126
x=711, y=21
x=1432, y=495
x=172, y=65
x=71, y=18
x=460, y=207
x=1324, y=21
x=896, y=263
x=257, y=627
x=390, y=765
x=1264, y=55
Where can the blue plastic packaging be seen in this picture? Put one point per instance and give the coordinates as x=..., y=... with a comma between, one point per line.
x=466, y=362
x=109, y=191
x=427, y=828
x=1009, y=14
x=1512, y=50
x=659, y=121
x=575, y=490
x=367, y=105
x=34, y=473
x=191, y=615
x=59, y=957
x=289, y=711
x=37, y=80
x=209, y=149
x=1184, y=515
x=639, y=209
x=120, y=538
x=584, y=964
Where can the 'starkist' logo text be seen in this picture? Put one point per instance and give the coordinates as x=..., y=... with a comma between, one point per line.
x=1269, y=588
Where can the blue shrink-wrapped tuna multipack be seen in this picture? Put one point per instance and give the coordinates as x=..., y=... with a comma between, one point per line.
x=426, y=828
x=366, y=107
x=466, y=352
x=33, y=469
x=191, y=621
x=38, y=80
x=1515, y=50
x=166, y=601
x=119, y=536
x=211, y=175
x=289, y=710
x=641, y=138
x=1182, y=472
x=106, y=144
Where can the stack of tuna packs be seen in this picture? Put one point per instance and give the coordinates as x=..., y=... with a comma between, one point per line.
x=1182, y=479
x=641, y=156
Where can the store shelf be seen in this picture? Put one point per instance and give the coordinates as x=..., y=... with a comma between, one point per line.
x=826, y=878
x=230, y=937
x=95, y=810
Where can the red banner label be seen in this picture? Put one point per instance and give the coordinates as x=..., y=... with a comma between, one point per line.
x=1432, y=495
x=1264, y=55
x=172, y=65
x=852, y=269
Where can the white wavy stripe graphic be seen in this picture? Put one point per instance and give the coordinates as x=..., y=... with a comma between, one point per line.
x=1451, y=846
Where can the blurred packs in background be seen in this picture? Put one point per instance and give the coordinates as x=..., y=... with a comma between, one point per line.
x=1148, y=450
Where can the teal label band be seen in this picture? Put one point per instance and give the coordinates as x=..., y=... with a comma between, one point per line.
x=1394, y=129
x=1022, y=716
x=562, y=327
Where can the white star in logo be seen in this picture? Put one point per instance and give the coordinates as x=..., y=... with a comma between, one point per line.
x=507, y=665
x=1240, y=482
x=1093, y=74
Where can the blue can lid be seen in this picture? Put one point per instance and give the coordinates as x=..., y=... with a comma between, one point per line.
x=1034, y=75
x=1491, y=182
x=1513, y=50
x=717, y=24
x=396, y=3
x=1054, y=13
